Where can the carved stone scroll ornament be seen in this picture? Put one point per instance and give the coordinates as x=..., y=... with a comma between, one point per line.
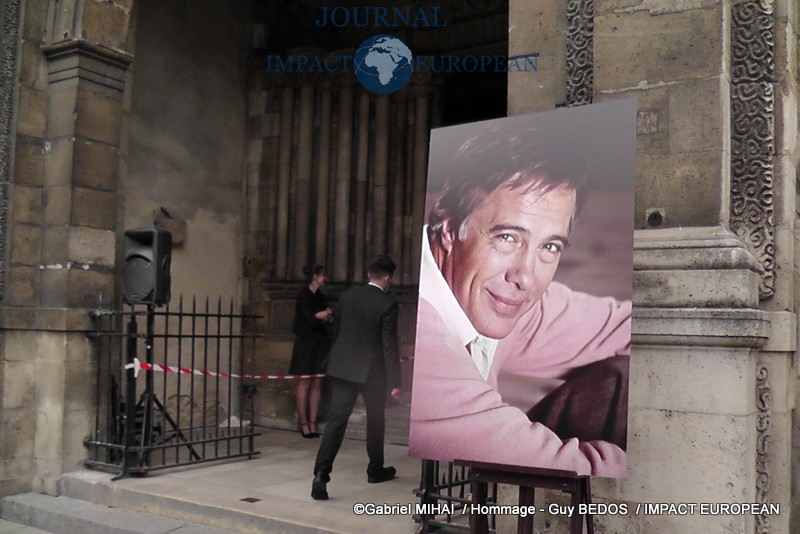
x=9, y=50
x=764, y=406
x=752, y=182
x=580, y=58
x=753, y=133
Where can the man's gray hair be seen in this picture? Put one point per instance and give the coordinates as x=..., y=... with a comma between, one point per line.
x=516, y=157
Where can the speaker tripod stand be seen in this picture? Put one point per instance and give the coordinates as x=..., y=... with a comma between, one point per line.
x=141, y=439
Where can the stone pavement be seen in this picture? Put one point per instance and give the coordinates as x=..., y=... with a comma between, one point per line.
x=62, y=515
x=270, y=493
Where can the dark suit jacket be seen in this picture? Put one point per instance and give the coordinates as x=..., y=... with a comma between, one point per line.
x=365, y=350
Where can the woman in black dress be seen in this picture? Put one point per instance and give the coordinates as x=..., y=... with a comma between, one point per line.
x=311, y=316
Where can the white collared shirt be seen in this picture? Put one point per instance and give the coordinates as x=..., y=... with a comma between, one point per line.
x=434, y=288
x=376, y=285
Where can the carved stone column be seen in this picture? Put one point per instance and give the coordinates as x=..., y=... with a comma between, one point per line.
x=359, y=223
x=62, y=255
x=580, y=57
x=79, y=236
x=380, y=175
x=11, y=24
x=697, y=331
x=284, y=182
x=323, y=175
x=301, y=219
x=66, y=81
x=753, y=132
x=399, y=173
x=16, y=407
x=344, y=141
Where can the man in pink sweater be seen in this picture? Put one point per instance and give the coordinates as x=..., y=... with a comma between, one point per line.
x=511, y=367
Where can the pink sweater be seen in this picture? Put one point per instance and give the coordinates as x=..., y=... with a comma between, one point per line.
x=456, y=414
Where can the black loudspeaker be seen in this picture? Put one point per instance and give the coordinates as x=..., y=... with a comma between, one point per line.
x=145, y=278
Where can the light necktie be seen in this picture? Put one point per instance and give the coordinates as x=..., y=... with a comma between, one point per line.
x=479, y=349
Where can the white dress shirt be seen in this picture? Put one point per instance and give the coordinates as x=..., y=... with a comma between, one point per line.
x=435, y=289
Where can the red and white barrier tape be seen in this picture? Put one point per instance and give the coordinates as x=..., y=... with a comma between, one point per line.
x=138, y=365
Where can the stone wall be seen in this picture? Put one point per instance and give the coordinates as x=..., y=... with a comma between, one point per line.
x=186, y=138
x=712, y=373
x=15, y=403
x=71, y=64
x=92, y=156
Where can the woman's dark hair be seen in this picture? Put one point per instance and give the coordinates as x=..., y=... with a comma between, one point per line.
x=313, y=270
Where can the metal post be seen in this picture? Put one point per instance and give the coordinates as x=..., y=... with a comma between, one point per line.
x=428, y=482
x=147, y=430
x=130, y=453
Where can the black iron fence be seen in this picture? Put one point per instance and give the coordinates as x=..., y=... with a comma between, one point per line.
x=443, y=495
x=169, y=387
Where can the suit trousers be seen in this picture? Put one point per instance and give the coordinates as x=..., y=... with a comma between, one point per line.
x=344, y=394
x=591, y=405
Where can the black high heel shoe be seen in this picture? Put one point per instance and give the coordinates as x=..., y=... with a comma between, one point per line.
x=309, y=434
x=314, y=433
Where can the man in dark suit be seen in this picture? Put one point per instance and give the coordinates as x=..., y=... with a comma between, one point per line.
x=363, y=360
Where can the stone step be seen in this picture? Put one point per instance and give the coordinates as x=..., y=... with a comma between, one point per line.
x=192, y=504
x=63, y=515
x=7, y=527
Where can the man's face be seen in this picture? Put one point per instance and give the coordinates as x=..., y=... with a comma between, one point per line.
x=511, y=247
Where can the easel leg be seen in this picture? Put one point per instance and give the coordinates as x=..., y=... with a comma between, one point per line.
x=479, y=523
x=576, y=521
x=526, y=499
x=587, y=491
x=428, y=487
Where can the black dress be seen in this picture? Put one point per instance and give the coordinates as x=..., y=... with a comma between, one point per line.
x=311, y=335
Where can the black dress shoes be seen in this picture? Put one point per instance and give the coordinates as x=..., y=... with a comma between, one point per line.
x=319, y=489
x=382, y=475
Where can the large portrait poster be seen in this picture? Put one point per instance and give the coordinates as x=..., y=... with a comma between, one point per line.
x=524, y=321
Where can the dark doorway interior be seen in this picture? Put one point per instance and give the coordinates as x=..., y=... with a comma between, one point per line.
x=473, y=96
x=473, y=28
x=342, y=171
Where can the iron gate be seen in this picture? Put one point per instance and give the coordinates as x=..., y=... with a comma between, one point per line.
x=168, y=387
x=444, y=492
